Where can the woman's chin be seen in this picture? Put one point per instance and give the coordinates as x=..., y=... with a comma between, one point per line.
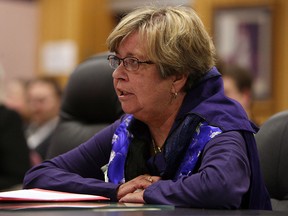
x=130, y=110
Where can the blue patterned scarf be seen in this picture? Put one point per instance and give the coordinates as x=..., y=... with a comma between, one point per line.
x=181, y=144
x=120, y=144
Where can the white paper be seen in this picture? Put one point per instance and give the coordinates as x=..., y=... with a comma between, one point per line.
x=59, y=57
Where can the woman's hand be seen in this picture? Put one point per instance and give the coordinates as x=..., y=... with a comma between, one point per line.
x=133, y=190
x=135, y=197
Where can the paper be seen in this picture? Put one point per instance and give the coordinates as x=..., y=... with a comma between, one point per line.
x=59, y=57
x=52, y=205
x=46, y=195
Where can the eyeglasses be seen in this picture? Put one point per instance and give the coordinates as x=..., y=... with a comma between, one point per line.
x=130, y=63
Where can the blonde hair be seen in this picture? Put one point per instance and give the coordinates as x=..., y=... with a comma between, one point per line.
x=175, y=38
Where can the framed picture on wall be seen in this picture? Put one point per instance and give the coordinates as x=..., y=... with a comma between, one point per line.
x=242, y=36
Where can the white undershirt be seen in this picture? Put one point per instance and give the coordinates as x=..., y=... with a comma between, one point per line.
x=36, y=136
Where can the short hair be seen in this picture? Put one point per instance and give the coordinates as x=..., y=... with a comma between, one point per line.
x=242, y=76
x=53, y=82
x=176, y=39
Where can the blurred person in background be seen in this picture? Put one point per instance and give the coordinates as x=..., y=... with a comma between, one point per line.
x=15, y=98
x=238, y=83
x=14, y=152
x=44, y=99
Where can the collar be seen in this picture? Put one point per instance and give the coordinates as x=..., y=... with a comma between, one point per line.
x=207, y=100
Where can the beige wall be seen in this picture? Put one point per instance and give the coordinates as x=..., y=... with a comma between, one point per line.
x=18, y=38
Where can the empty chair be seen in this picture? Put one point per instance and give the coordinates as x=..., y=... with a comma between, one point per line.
x=272, y=143
x=88, y=105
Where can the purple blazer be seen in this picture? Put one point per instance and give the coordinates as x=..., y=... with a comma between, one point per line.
x=228, y=175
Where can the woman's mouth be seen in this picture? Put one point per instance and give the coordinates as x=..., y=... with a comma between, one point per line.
x=124, y=94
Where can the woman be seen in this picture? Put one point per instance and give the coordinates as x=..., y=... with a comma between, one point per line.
x=181, y=142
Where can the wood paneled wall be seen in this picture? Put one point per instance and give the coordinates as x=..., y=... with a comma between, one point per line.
x=88, y=23
x=85, y=22
x=279, y=98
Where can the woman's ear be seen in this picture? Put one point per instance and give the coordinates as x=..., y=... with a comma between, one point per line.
x=179, y=82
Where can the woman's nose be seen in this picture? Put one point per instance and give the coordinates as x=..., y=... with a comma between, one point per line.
x=120, y=73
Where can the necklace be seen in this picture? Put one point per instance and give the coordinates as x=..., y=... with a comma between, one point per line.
x=156, y=148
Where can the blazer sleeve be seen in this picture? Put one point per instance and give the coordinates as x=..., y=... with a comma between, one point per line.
x=220, y=182
x=78, y=170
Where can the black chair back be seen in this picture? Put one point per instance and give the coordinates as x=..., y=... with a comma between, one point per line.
x=272, y=143
x=88, y=105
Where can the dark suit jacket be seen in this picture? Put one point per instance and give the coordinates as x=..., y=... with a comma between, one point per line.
x=14, y=152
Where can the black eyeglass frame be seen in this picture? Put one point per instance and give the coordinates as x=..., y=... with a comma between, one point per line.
x=125, y=63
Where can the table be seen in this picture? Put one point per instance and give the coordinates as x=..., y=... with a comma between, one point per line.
x=116, y=209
